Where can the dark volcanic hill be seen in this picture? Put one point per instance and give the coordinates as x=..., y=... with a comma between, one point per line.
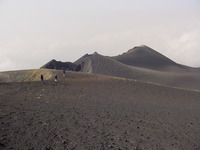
x=58, y=65
x=99, y=64
x=140, y=63
x=146, y=57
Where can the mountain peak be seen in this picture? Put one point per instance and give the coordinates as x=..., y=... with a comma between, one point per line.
x=145, y=57
x=142, y=48
x=95, y=53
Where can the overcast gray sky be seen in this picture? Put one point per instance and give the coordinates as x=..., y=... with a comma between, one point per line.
x=32, y=32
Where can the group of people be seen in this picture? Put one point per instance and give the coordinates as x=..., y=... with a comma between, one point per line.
x=55, y=77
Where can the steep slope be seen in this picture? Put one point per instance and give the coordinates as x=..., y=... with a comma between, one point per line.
x=99, y=64
x=145, y=57
x=107, y=66
x=80, y=60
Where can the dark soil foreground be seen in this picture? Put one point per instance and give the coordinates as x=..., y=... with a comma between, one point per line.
x=98, y=114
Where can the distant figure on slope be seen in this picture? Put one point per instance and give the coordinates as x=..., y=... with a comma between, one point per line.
x=82, y=65
x=63, y=73
x=56, y=78
x=42, y=78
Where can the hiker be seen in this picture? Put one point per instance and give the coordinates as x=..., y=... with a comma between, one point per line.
x=63, y=73
x=56, y=78
x=42, y=77
x=82, y=64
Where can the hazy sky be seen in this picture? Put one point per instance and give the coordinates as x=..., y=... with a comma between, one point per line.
x=32, y=32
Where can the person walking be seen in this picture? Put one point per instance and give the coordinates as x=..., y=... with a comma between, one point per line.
x=82, y=65
x=56, y=78
x=63, y=73
x=42, y=77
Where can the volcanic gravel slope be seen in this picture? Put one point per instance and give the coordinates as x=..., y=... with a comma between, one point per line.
x=87, y=112
x=145, y=57
x=185, y=78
